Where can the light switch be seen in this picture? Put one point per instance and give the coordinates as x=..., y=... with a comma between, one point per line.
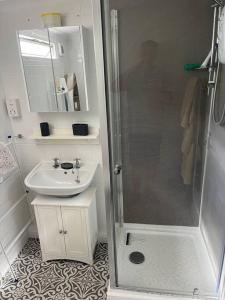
x=13, y=107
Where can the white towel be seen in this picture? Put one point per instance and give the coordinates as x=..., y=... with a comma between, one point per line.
x=190, y=118
x=187, y=166
x=7, y=162
x=71, y=82
x=73, y=93
x=191, y=93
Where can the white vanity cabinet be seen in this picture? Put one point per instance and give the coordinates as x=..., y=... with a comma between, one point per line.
x=67, y=227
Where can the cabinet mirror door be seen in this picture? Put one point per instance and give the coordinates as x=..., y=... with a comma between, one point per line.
x=36, y=52
x=69, y=68
x=55, y=68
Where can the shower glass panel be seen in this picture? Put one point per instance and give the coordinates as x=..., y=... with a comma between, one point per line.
x=157, y=116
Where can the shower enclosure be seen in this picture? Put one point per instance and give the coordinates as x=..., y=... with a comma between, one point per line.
x=159, y=121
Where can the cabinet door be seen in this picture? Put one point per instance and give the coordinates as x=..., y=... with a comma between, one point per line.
x=51, y=230
x=75, y=231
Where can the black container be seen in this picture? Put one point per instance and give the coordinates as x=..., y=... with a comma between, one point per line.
x=67, y=166
x=45, y=131
x=80, y=129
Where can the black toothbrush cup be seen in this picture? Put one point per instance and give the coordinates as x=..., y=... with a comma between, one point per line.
x=80, y=129
x=45, y=131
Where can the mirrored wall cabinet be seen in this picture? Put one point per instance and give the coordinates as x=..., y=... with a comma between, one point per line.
x=56, y=68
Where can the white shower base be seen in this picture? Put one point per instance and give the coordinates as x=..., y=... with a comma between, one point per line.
x=176, y=260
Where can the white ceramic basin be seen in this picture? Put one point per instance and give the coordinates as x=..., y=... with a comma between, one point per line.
x=46, y=180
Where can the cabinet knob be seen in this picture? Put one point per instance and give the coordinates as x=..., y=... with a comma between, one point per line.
x=65, y=231
x=60, y=231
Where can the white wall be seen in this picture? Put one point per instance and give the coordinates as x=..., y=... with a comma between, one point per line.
x=14, y=210
x=5, y=128
x=25, y=14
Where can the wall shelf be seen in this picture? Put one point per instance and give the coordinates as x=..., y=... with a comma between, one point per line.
x=64, y=135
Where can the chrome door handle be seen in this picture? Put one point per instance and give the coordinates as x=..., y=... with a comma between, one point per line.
x=211, y=83
x=117, y=169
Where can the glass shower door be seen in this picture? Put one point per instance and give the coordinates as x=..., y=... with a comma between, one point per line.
x=158, y=245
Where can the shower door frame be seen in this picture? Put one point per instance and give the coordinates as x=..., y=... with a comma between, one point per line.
x=102, y=5
x=110, y=54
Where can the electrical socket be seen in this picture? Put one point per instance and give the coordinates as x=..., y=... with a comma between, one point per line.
x=13, y=108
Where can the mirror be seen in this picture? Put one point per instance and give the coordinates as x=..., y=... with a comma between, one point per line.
x=55, y=68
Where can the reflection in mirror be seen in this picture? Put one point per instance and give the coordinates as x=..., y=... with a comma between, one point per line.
x=54, y=64
x=68, y=68
x=36, y=58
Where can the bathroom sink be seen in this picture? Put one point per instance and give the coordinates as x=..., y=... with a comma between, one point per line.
x=46, y=180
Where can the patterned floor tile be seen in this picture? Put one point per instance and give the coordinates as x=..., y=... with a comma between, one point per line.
x=56, y=280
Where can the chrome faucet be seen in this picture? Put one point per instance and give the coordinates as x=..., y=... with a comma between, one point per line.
x=56, y=163
x=77, y=167
x=77, y=163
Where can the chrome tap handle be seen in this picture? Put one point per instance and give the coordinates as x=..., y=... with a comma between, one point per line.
x=56, y=162
x=77, y=163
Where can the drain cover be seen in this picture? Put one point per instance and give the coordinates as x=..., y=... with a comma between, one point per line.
x=67, y=166
x=137, y=257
